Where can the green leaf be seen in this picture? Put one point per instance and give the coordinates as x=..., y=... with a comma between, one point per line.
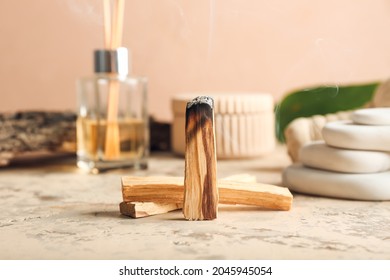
x=320, y=101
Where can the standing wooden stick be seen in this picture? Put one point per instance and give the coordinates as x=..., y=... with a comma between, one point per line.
x=200, y=181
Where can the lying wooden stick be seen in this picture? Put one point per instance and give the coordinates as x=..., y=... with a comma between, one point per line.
x=145, y=209
x=200, y=179
x=170, y=190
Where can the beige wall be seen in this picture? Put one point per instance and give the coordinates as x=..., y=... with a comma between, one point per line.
x=192, y=45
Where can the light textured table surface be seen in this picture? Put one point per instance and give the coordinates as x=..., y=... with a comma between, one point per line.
x=54, y=211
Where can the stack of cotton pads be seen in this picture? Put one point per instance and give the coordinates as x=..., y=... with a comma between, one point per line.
x=352, y=163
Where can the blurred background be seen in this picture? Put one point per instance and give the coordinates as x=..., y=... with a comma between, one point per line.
x=186, y=46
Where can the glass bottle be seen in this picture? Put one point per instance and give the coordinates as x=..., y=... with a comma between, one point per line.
x=112, y=123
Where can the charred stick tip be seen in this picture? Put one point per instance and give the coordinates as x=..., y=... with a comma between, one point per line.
x=201, y=100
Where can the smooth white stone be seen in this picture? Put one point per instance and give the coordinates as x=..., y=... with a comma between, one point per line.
x=319, y=155
x=375, y=186
x=372, y=116
x=345, y=134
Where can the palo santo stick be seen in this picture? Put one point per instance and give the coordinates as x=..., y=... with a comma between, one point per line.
x=262, y=195
x=145, y=189
x=170, y=190
x=200, y=177
x=145, y=209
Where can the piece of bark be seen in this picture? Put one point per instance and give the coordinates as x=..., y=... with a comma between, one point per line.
x=36, y=131
x=170, y=190
x=145, y=209
x=32, y=135
x=200, y=176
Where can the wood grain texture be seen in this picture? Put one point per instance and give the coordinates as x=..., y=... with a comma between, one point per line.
x=153, y=189
x=170, y=190
x=200, y=177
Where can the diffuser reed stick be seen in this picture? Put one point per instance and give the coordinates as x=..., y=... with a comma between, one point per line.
x=107, y=23
x=116, y=39
x=113, y=38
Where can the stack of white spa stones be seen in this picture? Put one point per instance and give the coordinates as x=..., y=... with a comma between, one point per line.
x=353, y=162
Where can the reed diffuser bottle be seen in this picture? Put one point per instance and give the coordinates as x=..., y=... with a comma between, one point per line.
x=112, y=124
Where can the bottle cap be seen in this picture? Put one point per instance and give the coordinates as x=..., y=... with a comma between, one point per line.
x=114, y=61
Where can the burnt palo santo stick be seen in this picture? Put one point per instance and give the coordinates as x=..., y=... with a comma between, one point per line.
x=200, y=176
